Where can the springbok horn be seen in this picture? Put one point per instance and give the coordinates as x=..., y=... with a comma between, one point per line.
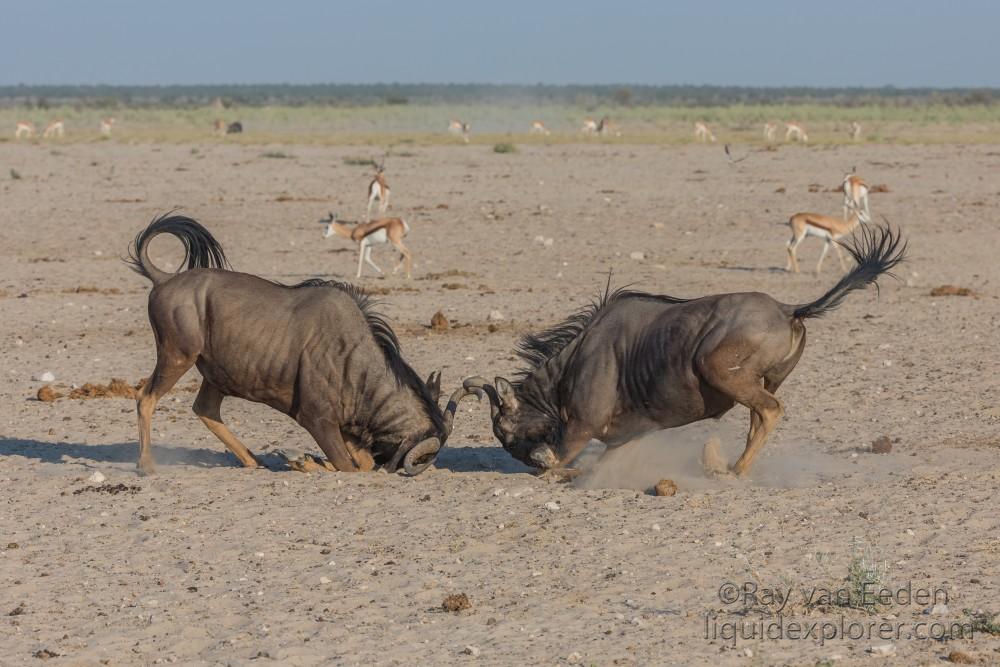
x=482, y=384
x=412, y=463
x=453, y=401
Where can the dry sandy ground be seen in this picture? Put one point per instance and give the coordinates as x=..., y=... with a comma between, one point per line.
x=207, y=564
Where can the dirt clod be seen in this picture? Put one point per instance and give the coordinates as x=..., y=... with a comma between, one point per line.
x=879, y=187
x=110, y=489
x=47, y=394
x=456, y=602
x=45, y=654
x=882, y=445
x=117, y=388
x=952, y=290
x=960, y=658
x=439, y=322
x=665, y=487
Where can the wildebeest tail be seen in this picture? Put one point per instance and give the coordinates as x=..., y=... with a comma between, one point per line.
x=876, y=250
x=201, y=250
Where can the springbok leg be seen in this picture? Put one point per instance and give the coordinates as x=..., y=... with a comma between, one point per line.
x=207, y=406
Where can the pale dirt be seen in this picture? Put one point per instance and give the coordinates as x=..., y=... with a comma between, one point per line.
x=210, y=564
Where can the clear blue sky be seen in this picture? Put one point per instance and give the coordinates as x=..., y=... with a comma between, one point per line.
x=762, y=43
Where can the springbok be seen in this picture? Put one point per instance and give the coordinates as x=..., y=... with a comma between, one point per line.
x=589, y=126
x=378, y=189
x=460, y=127
x=855, y=130
x=702, y=132
x=219, y=127
x=25, y=128
x=106, y=125
x=367, y=234
x=826, y=227
x=855, y=194
x=538, y=127
x=606, y=126
x=796, y=131
x=770, y=131
x=54, y=129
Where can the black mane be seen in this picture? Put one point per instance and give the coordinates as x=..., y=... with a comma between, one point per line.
x=536, y=349
x=387, y=342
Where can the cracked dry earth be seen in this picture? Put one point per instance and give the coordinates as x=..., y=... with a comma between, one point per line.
x=209, y=564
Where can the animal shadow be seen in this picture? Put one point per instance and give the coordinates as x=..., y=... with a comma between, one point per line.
x=123, y=452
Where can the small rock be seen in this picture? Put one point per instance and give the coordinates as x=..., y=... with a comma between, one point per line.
x=496, y=316
x=960, y=658
x=574, y=658
x=471, y=650
x=552, y=506
x=439, y=322
x=940, y=609
x=47, y=376
x=882, y=445
x=456, y=602
x=47, y=394
x=885, y=650
x=96, y=478
x=548, y=243
x=324, y=580
x=638, y=256
x=665, y=487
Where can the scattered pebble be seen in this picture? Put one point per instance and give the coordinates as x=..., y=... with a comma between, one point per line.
x=886, y=650
x=471, y=650
x=496, y=316
x=96, y=478
x=324, y=580
x=574, y=658
x=552, y=506
x=940, y=609
x=637, y=256
x=47, y=376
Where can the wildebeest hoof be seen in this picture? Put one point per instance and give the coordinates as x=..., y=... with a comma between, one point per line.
x=712, y=461
x=306, y=463
x=544, y=457
x=561, y=475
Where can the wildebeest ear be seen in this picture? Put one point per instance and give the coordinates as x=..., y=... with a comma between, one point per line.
x=506, y=393
x=434, y=385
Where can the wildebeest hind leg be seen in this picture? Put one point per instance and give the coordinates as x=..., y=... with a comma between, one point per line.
x=207, y=406
x=170, y=366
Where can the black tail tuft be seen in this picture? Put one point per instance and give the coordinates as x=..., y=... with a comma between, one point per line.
x=877, y=250
x=201, y=250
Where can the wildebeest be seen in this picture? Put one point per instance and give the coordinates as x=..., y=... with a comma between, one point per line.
x=316, y=351
x=634, y=362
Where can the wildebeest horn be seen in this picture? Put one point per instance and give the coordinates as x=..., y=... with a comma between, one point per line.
x=421, y=456
x=453, y=401
x=483, y=385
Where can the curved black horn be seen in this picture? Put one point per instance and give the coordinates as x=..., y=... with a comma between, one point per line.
x=484, y=385
x=454, y=400
x=421, y=456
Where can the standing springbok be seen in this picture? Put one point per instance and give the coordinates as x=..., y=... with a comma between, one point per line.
x=855, y=194
x=826, y=227
x=54, y=129
x=460, y=127
x=25, y=128
x=855, y=130
x=770, y=131
x=106, y=125
x=796, y=131
x=703, y=133
x=378, y=189
x=367, y=234
x=538, y=127
x=607, y=126
x=589, y=126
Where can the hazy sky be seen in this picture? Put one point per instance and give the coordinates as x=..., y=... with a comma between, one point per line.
x=829, y=43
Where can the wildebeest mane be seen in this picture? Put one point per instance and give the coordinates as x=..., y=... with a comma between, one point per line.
x=387, y=341
x=537, y=348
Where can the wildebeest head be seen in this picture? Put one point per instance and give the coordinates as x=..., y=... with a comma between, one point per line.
x=526, y=431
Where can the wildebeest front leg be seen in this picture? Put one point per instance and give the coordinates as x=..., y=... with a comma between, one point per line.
x=327, y=436
x=207, y=406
